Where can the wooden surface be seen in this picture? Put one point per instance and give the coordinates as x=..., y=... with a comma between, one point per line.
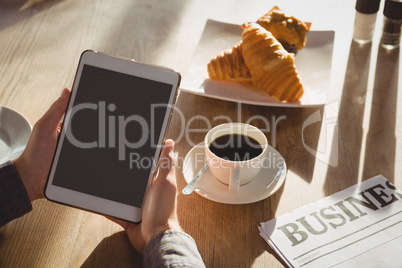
x=358, y=134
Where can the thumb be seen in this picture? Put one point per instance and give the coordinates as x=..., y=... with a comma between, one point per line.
x=52, y=117
x=166, y=159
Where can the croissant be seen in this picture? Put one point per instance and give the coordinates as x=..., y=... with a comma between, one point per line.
x=271, y=67
x=287, y=29
x=229, y=65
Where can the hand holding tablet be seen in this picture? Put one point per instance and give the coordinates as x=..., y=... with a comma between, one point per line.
x=112, y=135
x=34, y=163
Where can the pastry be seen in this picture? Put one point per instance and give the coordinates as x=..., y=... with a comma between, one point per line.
x=262, y=56
x=271, y=67
x=289, y=30
x=229, y=66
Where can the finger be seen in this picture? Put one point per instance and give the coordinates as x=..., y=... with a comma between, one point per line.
x=56, y=111
x=166, y=160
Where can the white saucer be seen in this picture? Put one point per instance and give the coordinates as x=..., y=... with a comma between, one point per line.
x=15, y=130
x=266, y=183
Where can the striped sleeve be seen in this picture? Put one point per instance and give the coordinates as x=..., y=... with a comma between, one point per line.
x=172, y=249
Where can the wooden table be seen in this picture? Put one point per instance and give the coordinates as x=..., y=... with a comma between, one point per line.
x=361, y=137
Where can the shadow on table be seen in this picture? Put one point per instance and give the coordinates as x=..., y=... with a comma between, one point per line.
x=12, y=12
x=347, y=144
x=297, y=139
x=380, y=151
x=114, y=251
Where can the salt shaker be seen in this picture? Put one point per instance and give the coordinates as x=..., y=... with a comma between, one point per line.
x=391, y=34
x=366, y=15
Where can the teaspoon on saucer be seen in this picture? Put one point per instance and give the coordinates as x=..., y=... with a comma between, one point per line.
x=191, y=185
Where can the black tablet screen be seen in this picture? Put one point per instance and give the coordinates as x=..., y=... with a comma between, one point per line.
x=112, y=136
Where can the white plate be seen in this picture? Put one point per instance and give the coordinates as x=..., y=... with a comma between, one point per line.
x=313, y=63
x=266, y=183
x=15, y=130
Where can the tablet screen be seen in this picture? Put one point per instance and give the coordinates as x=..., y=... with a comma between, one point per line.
x=114, y=129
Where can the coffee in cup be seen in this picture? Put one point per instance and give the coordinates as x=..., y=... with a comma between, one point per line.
x=235, y=147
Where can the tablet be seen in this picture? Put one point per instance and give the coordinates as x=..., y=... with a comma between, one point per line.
x=112, y=135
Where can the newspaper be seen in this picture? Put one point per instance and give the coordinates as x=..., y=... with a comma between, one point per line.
x=360, y=226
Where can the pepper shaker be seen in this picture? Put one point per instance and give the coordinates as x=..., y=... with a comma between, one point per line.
x=366, y=15
x=391, y=34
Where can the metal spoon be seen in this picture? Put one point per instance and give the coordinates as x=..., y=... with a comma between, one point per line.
x=191, y=186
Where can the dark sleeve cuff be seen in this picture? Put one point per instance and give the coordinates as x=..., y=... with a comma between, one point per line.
x=172, y=249
x=14, y=199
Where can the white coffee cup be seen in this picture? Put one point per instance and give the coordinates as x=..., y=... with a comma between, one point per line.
x=241, y=169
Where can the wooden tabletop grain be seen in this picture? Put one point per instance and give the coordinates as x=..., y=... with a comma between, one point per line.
x=355, y=136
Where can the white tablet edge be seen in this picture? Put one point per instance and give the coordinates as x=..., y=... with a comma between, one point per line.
x=127, y=66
